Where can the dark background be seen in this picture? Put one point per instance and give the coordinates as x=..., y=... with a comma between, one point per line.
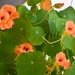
x=12, y=2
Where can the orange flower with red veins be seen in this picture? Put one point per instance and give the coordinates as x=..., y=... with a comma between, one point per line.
x=46, y=5
x=11, y=10
x=69, y=27
x=5, y=21
x=66, y=64
x=60, y=58
x=23, y=48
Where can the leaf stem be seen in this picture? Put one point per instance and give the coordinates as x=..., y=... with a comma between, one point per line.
x=51, y=42
x=42, y=19
x=49, y=73
x=68, y=54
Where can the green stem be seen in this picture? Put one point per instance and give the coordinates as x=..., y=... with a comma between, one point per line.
x=42, y=19
x=49, y=73
x=36, y=7
x=51, y=42
x=68, y=54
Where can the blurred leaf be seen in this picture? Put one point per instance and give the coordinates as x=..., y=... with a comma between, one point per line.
x=52, y=22
x=33, y=2
x=42, y=20
x=17, y=6
x=36, y=35
x=40, y=15
x=52, y=49
x=60, y=24
x=31, y=16
x=67, y=13
x=7, y=45
x=69, y=55
x=45, y=27
x=10, y=58
x=69, y=43
x=31, y=64
x=21, y=30
x=7, y=69
x=22, y=10
x=71, y=70
x=39, y=47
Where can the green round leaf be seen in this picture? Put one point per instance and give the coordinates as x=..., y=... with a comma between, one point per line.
x=69, y=42
x=21, y=30
x=52, y=49
x=39, y=16
x=22, y=11
x=32, y=63
x=32, y=17
x=68, y=13
x=7, y=69
x=52, y=22
x=36, y=35
x=60, y=24
x=7, y=45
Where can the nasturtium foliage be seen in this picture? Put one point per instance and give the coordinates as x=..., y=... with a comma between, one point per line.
x=60, y=24
x=36, y=35
x=52, y=22
x=22, y=11
x=7, y=45
x=67, y=13
x=31, y=16
x=32, y=63
x=42, y=31
x=7, y=69
x=52, y=49
x=69, y=42
x=33, y=2
x=21, y=30
x=42, y=20
x=39, y=16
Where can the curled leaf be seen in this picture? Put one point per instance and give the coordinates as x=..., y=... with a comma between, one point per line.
x=58, y=5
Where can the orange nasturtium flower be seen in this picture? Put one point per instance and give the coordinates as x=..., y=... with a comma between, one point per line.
x=60, y=58
x=66, y=64
x=62, y=61
x=11, y=10
x=70, y=28
x=23, y=48
x=7, y=14
x=46, y=5
x=73, y=33
x=5, y=21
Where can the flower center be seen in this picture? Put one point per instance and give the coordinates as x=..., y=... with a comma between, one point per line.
x=9, y=12
x=60, y=60
x=26, y=49
x=2, y=18
x=70, y=29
